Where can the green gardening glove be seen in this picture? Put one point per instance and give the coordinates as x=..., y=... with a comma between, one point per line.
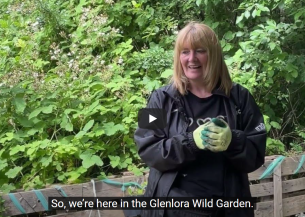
x=217, y=136
x=197, y=135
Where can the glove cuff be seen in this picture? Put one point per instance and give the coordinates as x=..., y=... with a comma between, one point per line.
x=192, y=145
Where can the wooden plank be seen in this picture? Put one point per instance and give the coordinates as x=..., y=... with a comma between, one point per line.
x=277, y=181
x=270, y=197
x=293, y=205
x=289, y=165
x=30, y=203
x=257, y=173
x=94, y=213
x=263, y=189
x=264, y=209
x=266, y=189
x=294, y=185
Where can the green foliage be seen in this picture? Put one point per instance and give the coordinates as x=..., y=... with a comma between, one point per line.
x=135, y=191
x=75, y=73
x=2, y=208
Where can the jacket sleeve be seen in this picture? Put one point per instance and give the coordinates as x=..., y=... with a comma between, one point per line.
x=160, y=152
x=246, y=151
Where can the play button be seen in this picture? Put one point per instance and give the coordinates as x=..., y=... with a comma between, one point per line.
x=149, y=118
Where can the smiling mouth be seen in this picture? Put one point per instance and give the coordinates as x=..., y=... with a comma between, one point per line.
x=194, y=67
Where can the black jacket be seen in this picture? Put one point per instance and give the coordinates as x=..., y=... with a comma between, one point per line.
x=166, y=150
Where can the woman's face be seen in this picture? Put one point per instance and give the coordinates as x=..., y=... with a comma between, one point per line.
x=193, y=62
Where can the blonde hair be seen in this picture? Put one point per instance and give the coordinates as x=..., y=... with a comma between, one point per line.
x=201, y=36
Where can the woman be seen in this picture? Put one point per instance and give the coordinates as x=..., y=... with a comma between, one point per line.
x=215, y=133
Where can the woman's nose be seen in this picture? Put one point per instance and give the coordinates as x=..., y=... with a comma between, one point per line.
x=192, y=56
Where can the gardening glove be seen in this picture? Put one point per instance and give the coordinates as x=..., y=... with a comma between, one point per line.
x=197, y=135
x=218, y=135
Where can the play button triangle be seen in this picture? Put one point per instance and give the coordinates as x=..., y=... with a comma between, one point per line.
x=152, y=118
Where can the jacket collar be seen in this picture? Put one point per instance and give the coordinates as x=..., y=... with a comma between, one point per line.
x=174, y=93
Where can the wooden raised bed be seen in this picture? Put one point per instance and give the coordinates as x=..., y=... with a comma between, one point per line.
x=280, y=194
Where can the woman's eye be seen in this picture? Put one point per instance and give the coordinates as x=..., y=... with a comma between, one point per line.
x=201, y=51
x=185, y=52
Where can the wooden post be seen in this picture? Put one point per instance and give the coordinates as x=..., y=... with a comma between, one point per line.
x=277, y=183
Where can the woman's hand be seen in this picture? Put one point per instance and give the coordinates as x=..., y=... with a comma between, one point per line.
x=217, y=135
x=197, y=135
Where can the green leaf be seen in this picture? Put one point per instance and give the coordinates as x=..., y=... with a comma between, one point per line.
x=258, y=13
x=167, y=73
x=64, y=121
x=66, y=124
x=16, y=149
x=25, y=122
x=133, y=98
x=35, y=113
x=271, y=23
x=90, y=160
x=227, y=47
x=247, y=14
x=97, y=160
x=61, y=177
x=111, y=129
x=275, y=125
x=45, y=161
x=12, y=173
x=7, y=188
x=3, y=24
x=99, y=131
x=74, y=175
x=128, y=120
x=294, y=74
x=58, y=167
x=228, y=35
x=136, y=171
x=239, y=18
x=198, y=2
x=239, y=34
x=102, y=176
x=254, y=13
x=3, y=164
x=20, y=104
x=272, y=45
x=69, y=127
x=88, y=126
x=114, y=161
x=86, y=154
x=9, y=137
x=93, y=105
x=263, y=8
x=30, y=151
x=87, y=163
x=80, y=134
x=32, y=132
x=20, y=43
x=40, y=63
x=1, y=152
x=44, y=143
x=300, y=13
x=47, y=109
